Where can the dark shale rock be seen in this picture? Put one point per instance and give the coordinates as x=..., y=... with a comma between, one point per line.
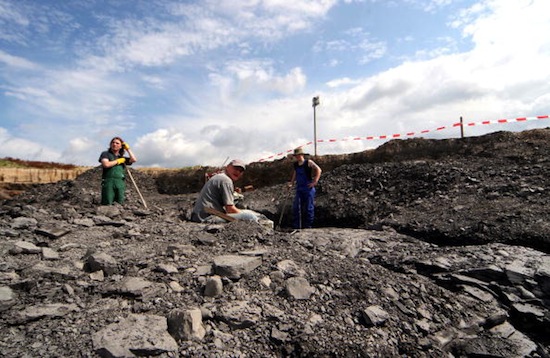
x=422, y=248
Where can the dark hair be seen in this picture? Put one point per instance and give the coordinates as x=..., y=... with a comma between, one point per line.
x=121, y=151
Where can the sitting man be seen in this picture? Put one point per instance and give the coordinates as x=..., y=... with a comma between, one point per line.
x=218, y=194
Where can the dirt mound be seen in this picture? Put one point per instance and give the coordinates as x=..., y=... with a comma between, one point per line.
x=488, y=189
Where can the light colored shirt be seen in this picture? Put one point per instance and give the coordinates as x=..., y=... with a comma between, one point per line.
x=216, y=194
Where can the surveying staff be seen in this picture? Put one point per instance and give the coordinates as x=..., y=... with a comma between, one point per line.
x=113, y=187
x=306, y=174
x=218, y=194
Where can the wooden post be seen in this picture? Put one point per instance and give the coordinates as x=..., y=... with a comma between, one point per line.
x=135, y=186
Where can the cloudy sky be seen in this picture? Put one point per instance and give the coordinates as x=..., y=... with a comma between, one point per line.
x=195, y=82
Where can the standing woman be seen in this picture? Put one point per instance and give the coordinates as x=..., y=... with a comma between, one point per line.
x=113, y=187
x=306, y=174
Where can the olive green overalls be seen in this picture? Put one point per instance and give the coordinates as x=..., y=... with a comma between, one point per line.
x=113, y=187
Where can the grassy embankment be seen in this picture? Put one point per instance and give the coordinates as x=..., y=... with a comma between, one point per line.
x=8, y=162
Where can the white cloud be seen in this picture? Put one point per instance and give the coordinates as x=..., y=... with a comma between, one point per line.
x=346, y=81
x=171, y=148
x=248, y=79
x=17, y=62
x=433, y=5
x=354, y=41
x=206, y=27
x=78, y=151
x=503, y=76
x=206, y=80
x=15, y=147
x=10, y=14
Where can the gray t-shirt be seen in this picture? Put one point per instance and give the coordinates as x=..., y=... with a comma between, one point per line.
x=216, y=193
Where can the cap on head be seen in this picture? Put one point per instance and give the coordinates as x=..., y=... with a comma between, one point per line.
x=238, y=163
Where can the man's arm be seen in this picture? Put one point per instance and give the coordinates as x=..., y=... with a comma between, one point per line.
x=317, y=170
x=227, y=197
x=106, y=163
x=232, y=209
x=132, y=158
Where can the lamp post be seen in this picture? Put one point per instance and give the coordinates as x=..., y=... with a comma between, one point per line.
x=315, y=103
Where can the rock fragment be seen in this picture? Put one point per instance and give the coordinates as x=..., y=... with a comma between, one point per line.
x=186, y=325
x=290, y=268
x=176, y=287
x=134, y=287
x=32, y=313
x=22, y=223
x=375, y=316
x=235, y=266
x=102, y=261
x=52, y=232
x=7, y=298
x=239, y=314
x=299, y=288
x=49, y=254
x=213, y=286
x=167, y=268
x=25, y=247
x=47, y=269
x=135, y=335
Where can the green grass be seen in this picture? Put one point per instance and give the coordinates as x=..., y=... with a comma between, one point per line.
x=8, y=162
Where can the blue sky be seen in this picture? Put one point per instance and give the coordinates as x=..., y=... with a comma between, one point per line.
x=195, y=82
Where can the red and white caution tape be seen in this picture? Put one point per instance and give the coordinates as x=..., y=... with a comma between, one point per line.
x=501, y=121
x=409, y=134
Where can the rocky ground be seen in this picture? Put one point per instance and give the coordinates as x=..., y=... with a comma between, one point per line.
x=423, y=248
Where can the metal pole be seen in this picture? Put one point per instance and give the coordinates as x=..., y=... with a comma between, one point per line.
x=461, y=128
x=314, y=131
x=315, y=103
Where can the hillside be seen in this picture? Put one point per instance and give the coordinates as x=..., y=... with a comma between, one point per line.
x=18, y=175
x=422, y=248
x=9, y=162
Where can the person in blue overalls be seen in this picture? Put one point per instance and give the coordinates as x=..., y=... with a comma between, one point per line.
x=306, y=174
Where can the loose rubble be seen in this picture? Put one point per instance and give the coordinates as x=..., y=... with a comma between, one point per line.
x=438, y=254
